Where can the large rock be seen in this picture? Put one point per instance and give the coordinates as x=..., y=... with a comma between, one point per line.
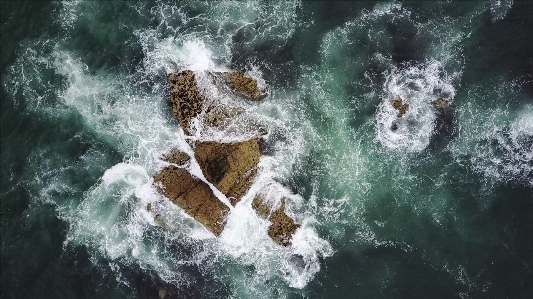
x=230, y=167
x=282, y=227
x=243, y=85
x=186, y=99
x=194, y=196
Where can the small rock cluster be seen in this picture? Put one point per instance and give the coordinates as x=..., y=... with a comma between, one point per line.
x=229, y=167
x=282, y=226
x=399, y=105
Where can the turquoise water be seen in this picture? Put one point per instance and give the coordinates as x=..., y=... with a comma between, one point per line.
x=437, y=208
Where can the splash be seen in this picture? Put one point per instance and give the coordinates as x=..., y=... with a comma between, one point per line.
x=420, y=87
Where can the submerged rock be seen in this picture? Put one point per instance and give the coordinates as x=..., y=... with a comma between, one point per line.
x=243, y=85
x=230, y=167
x=399, y=105
x=282, y=227
x=194, y=196
x=442, y=105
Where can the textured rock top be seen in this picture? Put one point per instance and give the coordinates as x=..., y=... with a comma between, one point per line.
x=282, y=227
x=399, y=105
x=194, y=196
x=243, y=85
x=177, y=157
x=229, y=167
x=186, y=99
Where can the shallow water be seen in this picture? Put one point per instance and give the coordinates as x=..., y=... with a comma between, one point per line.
x=423, y=206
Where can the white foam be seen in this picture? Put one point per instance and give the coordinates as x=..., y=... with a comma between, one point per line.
x=112, y=219
x=500, y=8
x=496, y=142
x=418, y=86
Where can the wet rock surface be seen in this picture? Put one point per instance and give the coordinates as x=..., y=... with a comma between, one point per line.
x=445, y=118
x=399, y=105
x=186, y=99
x=243, y=85
x=194, y=196
x=177, y=157
x=282, y=227
x=229, y=167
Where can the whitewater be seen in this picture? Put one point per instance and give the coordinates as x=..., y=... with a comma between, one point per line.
x=422, y=205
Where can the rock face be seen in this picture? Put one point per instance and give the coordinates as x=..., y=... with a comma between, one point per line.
x=194, y=196
x=186, y=100
x=282, y=227
x=177, y=157
x=399, y=105
x=243, y=85
x=229, y=167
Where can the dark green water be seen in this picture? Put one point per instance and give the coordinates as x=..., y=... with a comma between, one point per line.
x=440, y=207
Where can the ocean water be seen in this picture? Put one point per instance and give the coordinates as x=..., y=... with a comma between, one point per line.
x=426, y=206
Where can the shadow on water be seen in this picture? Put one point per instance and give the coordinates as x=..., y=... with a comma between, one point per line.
x=274, y=59
x=326, y=16
x=405, y=47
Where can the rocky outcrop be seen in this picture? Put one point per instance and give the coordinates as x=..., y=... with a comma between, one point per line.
x=399, y=105
x=188, y=102
x=177, y=157
x=186, y=99
x=194, y=196
x=243, y=85
x=229, y=167
x=282, y=227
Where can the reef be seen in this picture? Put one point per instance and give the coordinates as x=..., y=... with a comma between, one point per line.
x=194, y=196
x=229, y=167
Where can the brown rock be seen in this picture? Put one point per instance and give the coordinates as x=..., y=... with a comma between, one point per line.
x=186, y=99
x=442, y=105
x=220, y=115
x=282, y=227
x=231, y=167
x=194, y=196
x=243, y=86
x=177, y=157
x=261, y=207
x=399, y=105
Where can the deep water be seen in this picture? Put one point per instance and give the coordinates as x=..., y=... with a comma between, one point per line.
x=429, y=205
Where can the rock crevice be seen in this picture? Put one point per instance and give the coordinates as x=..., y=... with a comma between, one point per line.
x=229, y=167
